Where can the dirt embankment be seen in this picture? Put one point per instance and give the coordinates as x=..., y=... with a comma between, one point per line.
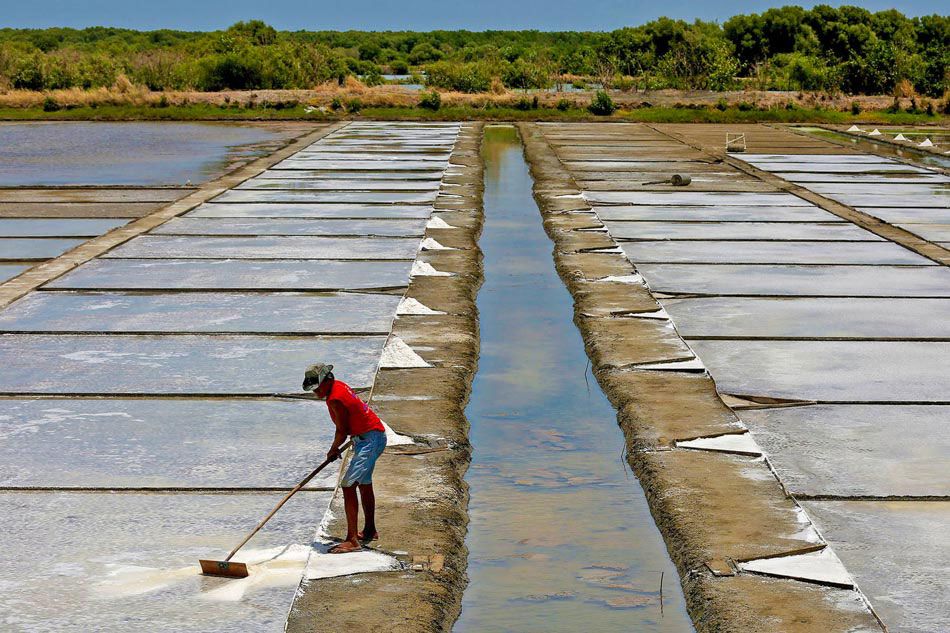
x=421, y=495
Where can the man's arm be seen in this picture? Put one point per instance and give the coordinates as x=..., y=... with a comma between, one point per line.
x=341, y=419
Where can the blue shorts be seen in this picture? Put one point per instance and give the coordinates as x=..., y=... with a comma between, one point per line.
x=366, y=450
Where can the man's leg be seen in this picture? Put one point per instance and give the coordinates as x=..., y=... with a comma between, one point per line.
x=368, y=498
x=352, y=507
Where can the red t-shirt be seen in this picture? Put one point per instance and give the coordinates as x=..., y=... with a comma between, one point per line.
x=361, y=417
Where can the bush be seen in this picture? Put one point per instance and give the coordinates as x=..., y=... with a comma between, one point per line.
x=745, y=106
x=430, y=100
x=722, y=105
x=855, y=108
x=469, y=77
x=399, y=67
x=51, y=105
x=336, y=104
x=354, y=105
x=563, y=105
x=930, y=109
x=523, y=104
x=602, y=104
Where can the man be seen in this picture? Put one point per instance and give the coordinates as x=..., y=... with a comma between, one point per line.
x=353, y=418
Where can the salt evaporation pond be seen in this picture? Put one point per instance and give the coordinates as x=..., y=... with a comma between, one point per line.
x=139, y=153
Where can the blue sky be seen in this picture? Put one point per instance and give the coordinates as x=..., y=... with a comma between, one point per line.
x=379, y=15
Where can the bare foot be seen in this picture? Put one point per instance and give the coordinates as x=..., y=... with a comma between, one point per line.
x=373, y=537
x=345, y=548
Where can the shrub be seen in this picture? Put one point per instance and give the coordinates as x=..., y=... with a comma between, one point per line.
x=855, y=107
x=745, y=106
x=523, y=104
x=722, y=105
x=930, y=109
x=51, y=105
x=372, y=77
x=563, y=105
x=623, y=83
x=354, y=105
x=399, y=67
x=336, y=104
x=467, y=77
x=602, y=104
x=430, y=100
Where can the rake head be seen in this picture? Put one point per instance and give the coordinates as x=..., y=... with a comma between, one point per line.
x=224, y=568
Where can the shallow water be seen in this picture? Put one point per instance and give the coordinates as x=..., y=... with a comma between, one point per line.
x=561, y=538
x=124, y=153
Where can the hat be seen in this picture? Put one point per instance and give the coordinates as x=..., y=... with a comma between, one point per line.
x=315, y=375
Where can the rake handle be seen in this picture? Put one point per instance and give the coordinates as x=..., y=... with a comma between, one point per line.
x=280, y=504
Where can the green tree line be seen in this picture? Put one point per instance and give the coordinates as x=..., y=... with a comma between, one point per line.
x=825, y=48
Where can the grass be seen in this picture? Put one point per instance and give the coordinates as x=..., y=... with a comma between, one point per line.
x=654, y=114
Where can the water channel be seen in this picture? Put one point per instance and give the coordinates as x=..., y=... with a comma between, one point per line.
x=561, y=537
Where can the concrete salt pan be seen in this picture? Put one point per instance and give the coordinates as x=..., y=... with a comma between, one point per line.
x=317, y=211
x=232, y=274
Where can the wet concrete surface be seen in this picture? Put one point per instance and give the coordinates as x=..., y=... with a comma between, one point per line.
x=817, y=281
x=336, y=313
x=785, y=231
x=277, y=210
x=856, y=450
x=192, y=364
x=922, y=196
x=896, y=551
x=560, y=536
x=851, y=371
x=84, y=179
x=138, y=443
x=125, y=153
x=714, y=213
x=329, y=197
x=233, y=274
x=273, y=226
x=340, y=184
x=27, y=248
x=805, y=317
x=8, y=271
x=770, y=252
x=266, y=247
x=115, y=562
x=65, y=227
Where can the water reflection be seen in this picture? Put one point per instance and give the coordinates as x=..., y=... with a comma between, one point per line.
x=561, y=538
x=138, y=153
